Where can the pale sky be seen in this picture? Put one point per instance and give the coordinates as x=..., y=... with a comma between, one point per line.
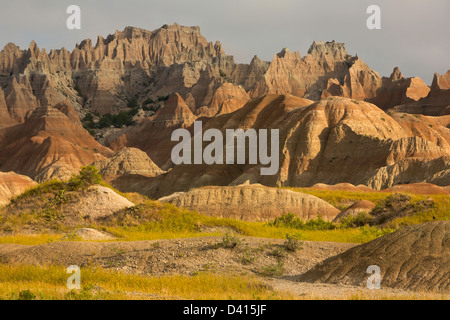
x=414, y=35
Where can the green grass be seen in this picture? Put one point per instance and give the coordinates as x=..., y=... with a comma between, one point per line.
x=47, y=283
x=343, y=199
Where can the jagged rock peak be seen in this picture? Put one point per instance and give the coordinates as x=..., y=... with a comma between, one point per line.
x=396, y=75
x=11, y=47
x=333, y=49
x=441, y=82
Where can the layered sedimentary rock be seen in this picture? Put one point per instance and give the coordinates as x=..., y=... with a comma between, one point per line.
x=252, y=202
x=13, y=184
x=332, y=141
x=435, y=103
x=326, y=70
x=397, y=90
x=128, y=161
x=146, y=66
x=48, y=142
x=405, y=258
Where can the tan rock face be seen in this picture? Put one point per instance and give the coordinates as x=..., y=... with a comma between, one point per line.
x=104, y=77
x=326, y=70
x=175, y=112
x=397, y=90
x=13, y=184
x=252, y=203
x=128, y=161
x=336, y=140
x=227, y=98
x=441, y=82
x=149, y=65
x=98, y=202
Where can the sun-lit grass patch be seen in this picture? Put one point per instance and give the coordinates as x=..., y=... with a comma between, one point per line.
x=96, y=283
x=342, y=199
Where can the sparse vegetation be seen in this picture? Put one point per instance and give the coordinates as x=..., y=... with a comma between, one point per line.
x=46, y=283
x=276, y=270
x=222, y=74
x=293, y=242
x=78, y=90
x=361, y=219
x=229, y=241
x=292, y=221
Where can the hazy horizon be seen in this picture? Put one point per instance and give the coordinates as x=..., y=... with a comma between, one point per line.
x=413, y=35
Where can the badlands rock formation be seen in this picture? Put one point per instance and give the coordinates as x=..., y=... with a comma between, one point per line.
x=128, y=161
x=48, y=144
x=436, y=103
x=13, y=184
x=252, y=202
x=414, y=258
x=174, y=68
x=335, y=140
x=397, y=90
x=150, y=65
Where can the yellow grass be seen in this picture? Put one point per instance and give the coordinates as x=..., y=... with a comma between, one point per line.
x=50, y=283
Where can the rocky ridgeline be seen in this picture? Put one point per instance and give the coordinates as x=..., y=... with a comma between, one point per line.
x=147, y=65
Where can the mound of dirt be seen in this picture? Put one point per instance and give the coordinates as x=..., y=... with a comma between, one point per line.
x=252, y=202
x=413, y=258
x=363, y=206
x=342, y=187
x=97, y=202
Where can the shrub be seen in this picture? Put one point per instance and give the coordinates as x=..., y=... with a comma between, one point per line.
x=87, y=177
x=359, y=220
x=132, y=103
x=293, y=242
x=222, y=74
x=229, y=241
x=287, y=220
x=78, y=90
x=26, y=295
x=291, y=221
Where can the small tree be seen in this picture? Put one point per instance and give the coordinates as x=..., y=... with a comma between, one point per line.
x=87, y=177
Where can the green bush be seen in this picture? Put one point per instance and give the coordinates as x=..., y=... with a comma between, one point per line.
x=288, y=220
x=359, y=220
x=87, y=177
x=291, y=221
x=26, y=295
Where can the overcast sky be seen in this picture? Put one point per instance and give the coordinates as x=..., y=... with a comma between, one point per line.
x=414, y=35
